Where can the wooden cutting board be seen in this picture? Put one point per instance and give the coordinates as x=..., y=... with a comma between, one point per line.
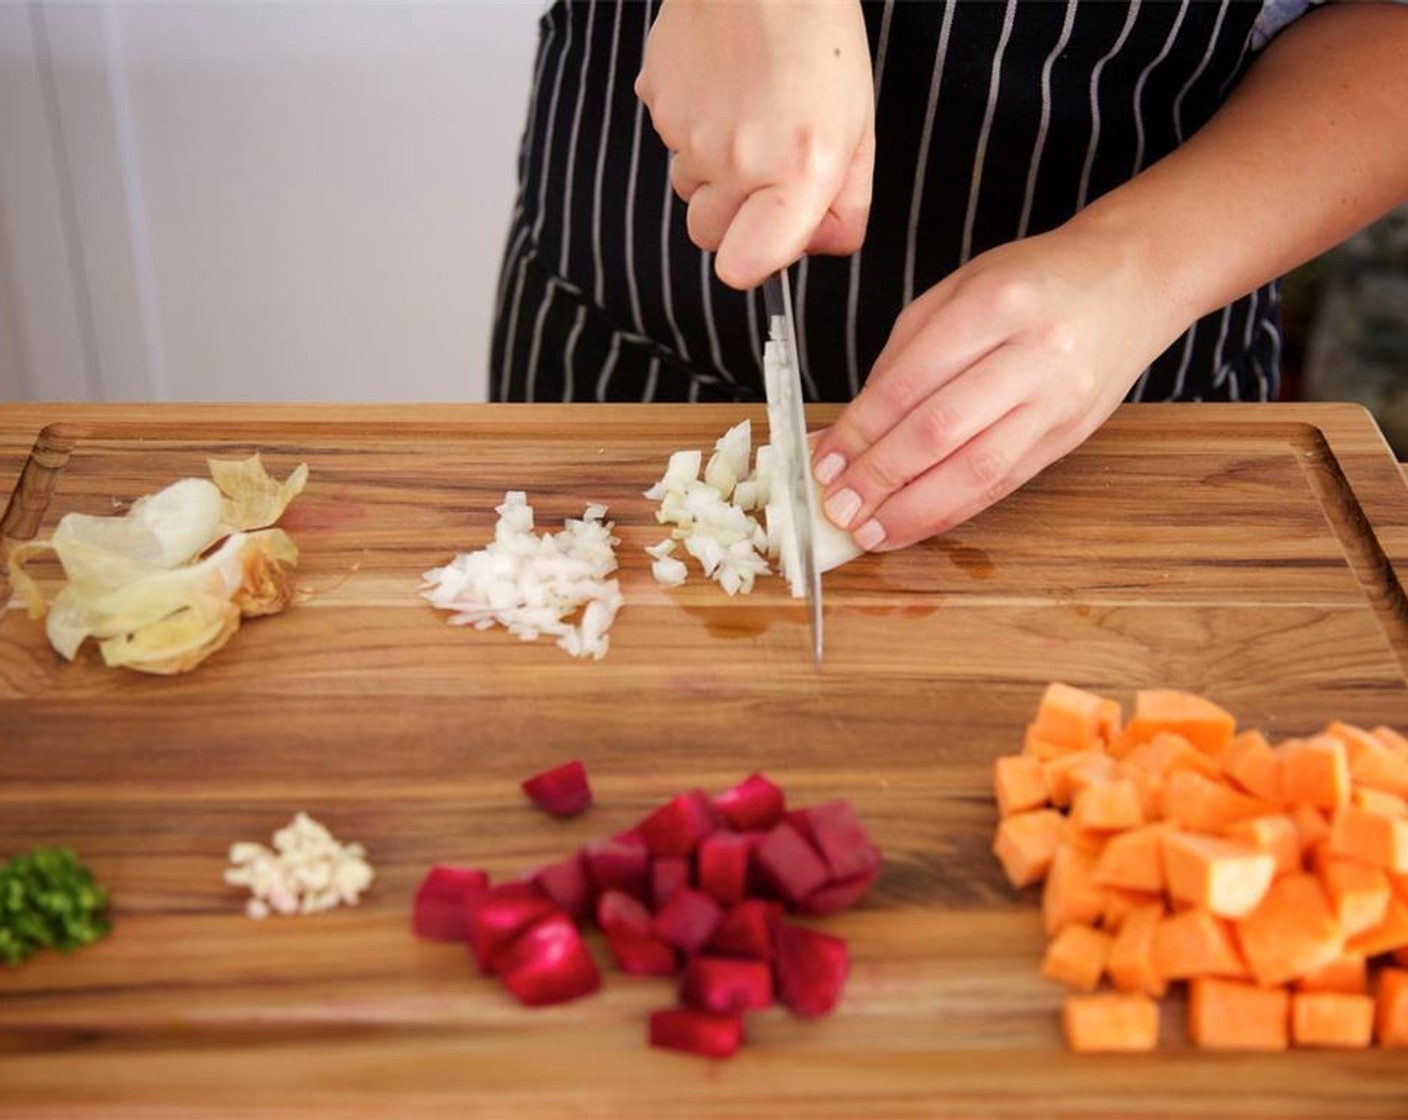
x=1255, y=554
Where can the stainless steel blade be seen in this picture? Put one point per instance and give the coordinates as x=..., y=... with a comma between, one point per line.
x=788, y=425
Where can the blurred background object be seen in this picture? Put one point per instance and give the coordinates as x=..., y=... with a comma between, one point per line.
x=256, y=201
x=1355, y=325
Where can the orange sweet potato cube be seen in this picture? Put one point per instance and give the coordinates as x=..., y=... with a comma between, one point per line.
x=1110, y=1022
x=1348, y=973
x=1026, y=844
x=1109, y=807
x=1332, y=1020
x=1131, y=962
x=1019, y=784
x=1235, y=1015
x=1292, y=933
x=1358, y=894
x=1391, y=1014
x=1316, y=772
x=1077, y=957
x=1229, y=878
x=1069, y=716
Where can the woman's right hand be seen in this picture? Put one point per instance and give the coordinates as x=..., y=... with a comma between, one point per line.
x=768, y=107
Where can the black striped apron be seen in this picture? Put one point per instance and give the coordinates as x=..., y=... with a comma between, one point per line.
x=994, y=120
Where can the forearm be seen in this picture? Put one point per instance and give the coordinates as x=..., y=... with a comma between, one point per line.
x=1310, y=147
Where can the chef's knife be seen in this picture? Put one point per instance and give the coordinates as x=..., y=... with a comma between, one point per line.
x=782, y=380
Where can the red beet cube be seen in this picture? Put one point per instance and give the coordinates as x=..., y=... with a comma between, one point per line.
x=620, y=862
x=675, y=829
x=840, y=838
x=747, y=930
x=726, y=985
x=642, y=956
x=839, y=895
x=666, y=877
x=562, y=791
x=723, y=860
x=789, y=863
x=688, y=920
x=696, y=1032
x=568, y=885
x=754, y=805
x=617, y=911
x=549, y=963
x=439, y=910
x=811, y=969
x=497, y=916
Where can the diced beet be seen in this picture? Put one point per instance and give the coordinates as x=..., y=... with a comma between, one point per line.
x=839, y=895
x=723, y=861
x=439, y=910
x=666, y=877
x=811, y=969
x=549, y=963
x=562, y=791
x=836, y=832
x=725, y=985
x=789, y=863
x=754, y=805
x=675, y=829
x=499, y=915
x=688, y=920
x=619, y=912
x=642, y=956
x=568, y=885
x=747, y=930
x=620, y=862
x=696, y=1032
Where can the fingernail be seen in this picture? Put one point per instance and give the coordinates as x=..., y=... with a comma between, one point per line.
x=842, y=507
x=870, y=534
x=830, y=466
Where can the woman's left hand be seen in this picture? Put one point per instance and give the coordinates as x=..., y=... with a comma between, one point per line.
x=990, y=376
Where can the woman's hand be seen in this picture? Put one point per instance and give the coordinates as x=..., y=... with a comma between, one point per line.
x=768, y=107
x=987, y=378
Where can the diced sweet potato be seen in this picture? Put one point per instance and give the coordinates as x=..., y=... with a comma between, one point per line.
x=1377, y=801
x=1133, y=860
x=1358, y=894
x=1377, y=839
x=1347, y=973
x=1200, y=721
x=1332, y=1019
x=1312, y=826
x=1131, y=960
x=1069, y=716
x=1316, y=772
x=1226, y=877
x=1167, y=752
x=1391, y=739
x=1121, y=903
x=1077, y=956
x=1026, y=843
x=1276, y=834
x=1070, y=773
x=1371, y=762
x=1199, y=803
x=1195, y=943
x=1389, y=935
x=1070, y=896
x=1019, y=783
x=1110, y=722
x=1043, y=750
x=1110, y=1021
x=1292, y=933
x=1110, y=807
x=1391, y=1010
x=1254, y=765
x=1234, y=1015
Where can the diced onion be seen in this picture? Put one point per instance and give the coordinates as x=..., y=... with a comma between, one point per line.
x=534, y=585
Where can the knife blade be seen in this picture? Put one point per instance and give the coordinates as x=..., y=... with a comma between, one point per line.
x=787, y=426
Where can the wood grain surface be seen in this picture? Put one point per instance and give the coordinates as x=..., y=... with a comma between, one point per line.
x=1254, y=553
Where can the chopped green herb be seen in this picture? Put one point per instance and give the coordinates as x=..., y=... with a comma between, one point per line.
x=48, y=900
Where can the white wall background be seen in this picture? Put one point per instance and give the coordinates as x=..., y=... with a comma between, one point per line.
x=255, y=200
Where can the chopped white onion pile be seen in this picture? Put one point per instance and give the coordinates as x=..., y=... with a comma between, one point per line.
x=308, y=870
x=534, y=585
x=713, y=516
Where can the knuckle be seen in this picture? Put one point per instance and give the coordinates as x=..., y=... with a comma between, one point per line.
x=988, y=468
x=1013, y=296
x=881, y=474
x=937, y=424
